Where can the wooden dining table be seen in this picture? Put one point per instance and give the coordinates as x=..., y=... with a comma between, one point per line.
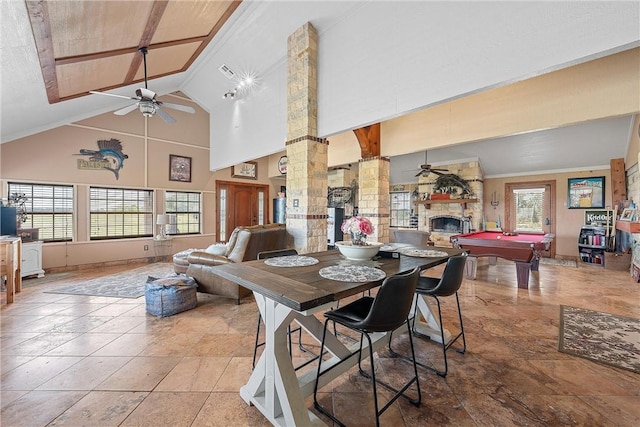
x=298, y=293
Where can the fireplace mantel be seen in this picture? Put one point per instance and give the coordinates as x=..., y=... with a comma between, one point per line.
x=427, y=203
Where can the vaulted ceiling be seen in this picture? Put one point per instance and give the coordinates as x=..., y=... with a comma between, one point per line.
x=93, y=45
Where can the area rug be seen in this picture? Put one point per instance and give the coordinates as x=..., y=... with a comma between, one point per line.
x=560, y=262
x=28, y=282
x=126, y=284
x=600, y=337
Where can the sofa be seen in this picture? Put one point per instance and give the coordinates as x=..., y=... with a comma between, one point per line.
x=245, y=243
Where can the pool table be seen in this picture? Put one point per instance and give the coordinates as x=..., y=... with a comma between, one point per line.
x=524, y=249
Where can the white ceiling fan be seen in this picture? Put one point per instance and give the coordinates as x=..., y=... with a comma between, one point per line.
x=146, y=100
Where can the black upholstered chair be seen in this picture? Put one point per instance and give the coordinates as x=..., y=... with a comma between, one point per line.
x=384, y=313
x=437, y=287
x=274, y=254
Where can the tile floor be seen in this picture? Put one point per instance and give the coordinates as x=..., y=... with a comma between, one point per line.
x=94, y=361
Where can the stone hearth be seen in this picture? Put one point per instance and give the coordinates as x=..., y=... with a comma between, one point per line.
x=444, y=219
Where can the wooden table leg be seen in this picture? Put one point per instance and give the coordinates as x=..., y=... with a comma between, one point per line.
x=522, y=272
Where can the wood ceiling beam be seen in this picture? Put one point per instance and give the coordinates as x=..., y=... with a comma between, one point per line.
x=147, y=35
x=116, y=52
x=39, y=16
x=369, y=140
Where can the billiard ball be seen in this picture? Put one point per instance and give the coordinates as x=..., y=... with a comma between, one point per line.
x=499, y=237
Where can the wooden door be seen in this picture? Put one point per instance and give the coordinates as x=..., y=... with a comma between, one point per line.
x=240, y=205
x=542, y=211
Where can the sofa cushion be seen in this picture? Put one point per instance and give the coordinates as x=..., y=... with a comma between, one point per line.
x=217, y=249
x=232, y=241
x=242, y=241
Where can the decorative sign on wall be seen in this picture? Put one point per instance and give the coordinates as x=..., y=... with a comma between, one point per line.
x=108, y=156
x=586, y=193
x=600, y=217
x=339, y=196
x=282, y=165
x=179, y=168
x=247, y=170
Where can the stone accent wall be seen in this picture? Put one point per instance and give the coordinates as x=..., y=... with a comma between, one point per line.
x=373, y=202
x=469, y=171
x=341, y=178
x=307, y=154
x=302, y=83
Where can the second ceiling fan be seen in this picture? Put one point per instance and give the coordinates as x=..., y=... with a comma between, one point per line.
x=426, y=169
x=146, y=100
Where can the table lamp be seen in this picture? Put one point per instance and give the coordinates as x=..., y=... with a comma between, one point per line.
x=162, y=220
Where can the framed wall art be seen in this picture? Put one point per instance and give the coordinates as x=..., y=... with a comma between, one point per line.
x=627, y=215
x=179, y=168
x=248, y=170
x=586, y=193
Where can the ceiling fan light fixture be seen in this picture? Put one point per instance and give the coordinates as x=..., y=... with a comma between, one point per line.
x=147, y=109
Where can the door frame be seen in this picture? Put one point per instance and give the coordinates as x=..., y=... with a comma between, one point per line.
x=228, y=185
x=508, y=201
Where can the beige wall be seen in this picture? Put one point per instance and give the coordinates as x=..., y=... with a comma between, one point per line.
x=51, y=157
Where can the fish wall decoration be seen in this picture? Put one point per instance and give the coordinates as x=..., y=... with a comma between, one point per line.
x=109, y=154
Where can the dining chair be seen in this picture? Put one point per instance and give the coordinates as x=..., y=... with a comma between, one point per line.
x=385, y=312
x=437, y=287
x=274, y=254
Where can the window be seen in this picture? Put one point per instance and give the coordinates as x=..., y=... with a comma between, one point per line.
x=118, y=213
x=529, y=208
x=185, y=211
x=400, y=209
x=49, y=208
x=222, y=215
x=261, y=205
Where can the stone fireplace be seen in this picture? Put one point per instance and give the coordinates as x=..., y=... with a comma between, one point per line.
x=448, y=217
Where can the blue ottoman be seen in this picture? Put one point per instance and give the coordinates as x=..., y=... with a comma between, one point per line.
x=170, y=295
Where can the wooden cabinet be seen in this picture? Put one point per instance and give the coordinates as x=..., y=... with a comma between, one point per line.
x=32, y=259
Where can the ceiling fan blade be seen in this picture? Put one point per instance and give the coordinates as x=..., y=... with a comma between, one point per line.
x=164, y=115
x=178, y=107
x=111, y=94
x=126, y=110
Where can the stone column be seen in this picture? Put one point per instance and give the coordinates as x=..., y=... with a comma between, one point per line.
x=306, y=153
x=373, y=183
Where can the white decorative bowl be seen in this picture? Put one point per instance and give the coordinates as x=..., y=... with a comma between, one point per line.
x=359, y=252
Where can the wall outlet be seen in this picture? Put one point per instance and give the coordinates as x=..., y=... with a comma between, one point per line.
x=146, y=247
x=296, y=203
